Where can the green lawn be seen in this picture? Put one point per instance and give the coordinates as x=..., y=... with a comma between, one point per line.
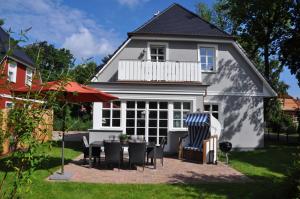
x=267, y=167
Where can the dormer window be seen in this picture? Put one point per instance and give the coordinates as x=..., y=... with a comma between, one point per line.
x=12, y=72
x=157, y=52
x=29, y=74
x=207, y=58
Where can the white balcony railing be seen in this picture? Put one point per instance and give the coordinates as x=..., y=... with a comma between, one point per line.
x=136, y=70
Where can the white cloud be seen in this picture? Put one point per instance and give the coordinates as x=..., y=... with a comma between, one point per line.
x=83, y=44
x=131, y=3
x=59, y=24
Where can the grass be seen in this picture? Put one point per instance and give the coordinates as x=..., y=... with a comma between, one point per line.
x=267, y=167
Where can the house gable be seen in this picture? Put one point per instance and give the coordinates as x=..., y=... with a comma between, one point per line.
x=186, y=49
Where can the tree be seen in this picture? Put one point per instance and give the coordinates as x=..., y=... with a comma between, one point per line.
x=52, y=62
x=215, y=15
x=25, y=125
x=290, y=46
x=84, y=72
x=204, y=12
x=260, y=27
x=1, y=22
x=104, y=61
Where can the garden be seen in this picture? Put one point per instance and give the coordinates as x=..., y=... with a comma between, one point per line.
x=268, y=168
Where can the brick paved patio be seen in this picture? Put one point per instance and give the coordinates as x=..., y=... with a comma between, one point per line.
x=173, y=171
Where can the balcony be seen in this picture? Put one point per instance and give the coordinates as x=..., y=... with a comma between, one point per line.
x=172, y=71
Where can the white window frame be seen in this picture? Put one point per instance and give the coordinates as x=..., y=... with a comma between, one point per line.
x=7, y=104
x=111, y=116
x=29, y=76
x=215, y=64
x=135, y=109
x=12, y=67
x=158, y=109
x=220, y=119
x=99, y=106
x=149, y=44
x=181, y=112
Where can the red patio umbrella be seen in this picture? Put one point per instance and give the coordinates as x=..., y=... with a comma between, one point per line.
x=72, y=92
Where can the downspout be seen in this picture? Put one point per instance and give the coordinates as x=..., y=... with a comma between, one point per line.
x=205, y=94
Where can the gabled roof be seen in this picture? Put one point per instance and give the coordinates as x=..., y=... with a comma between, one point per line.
x=17, y=52
x=178, y=21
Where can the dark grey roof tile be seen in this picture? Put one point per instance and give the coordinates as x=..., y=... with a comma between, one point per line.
x=17, y=52
x=177, y=20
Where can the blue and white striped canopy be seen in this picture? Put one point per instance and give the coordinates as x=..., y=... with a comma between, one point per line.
x=197, y=119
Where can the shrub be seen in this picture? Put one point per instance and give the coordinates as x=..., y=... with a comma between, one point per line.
x=283, y=123
x=293, y=180
x=73, y=124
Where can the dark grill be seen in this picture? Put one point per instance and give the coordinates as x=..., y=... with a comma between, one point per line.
x=225, y=146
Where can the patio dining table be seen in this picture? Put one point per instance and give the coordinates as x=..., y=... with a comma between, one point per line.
x=99, y=144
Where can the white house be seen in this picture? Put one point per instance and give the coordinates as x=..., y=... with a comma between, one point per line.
x=174, y=64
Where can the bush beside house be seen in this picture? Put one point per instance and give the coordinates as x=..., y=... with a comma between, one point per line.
x=5, y=139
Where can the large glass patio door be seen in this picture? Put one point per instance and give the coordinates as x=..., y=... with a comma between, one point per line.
x=135, y=118
x=158, y=121
x=148, y=118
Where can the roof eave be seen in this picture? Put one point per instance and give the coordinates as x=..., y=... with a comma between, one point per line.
x=32, y=66
x=130, y=34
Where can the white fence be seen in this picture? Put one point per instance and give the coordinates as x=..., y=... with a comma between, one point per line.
x=135, y=70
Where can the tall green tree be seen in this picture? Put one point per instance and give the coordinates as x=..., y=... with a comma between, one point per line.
x=52, y=61
x=260, y=27
x=84, y=72
x=290, y=46
x=104, y=60
x=215, y=15
x=204, y=11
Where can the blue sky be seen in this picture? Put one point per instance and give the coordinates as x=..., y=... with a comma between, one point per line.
x=92, y=28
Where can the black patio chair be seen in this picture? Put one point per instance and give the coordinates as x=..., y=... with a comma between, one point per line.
x=113, y=152
x=159, y=152
x=137, y=153
x=96, y=151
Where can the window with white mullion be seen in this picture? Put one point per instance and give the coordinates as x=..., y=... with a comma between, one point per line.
x=213, y=109
x=12, y=71
x=158, y=53
x=186, y=108
x=147, y=122
x=141, y=118
x=135, y=118
x=130, y=117
x=207, y=58
x=157, y=126
x=111, y=114
x=180, y=110
x=29, y=74
x=9, y=104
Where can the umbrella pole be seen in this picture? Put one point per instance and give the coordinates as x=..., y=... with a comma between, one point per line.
x=62, y=152
x=63, y=139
